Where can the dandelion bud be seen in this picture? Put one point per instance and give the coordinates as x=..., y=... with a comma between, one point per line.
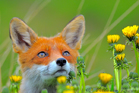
x=74, y=82
x=72, y=73
x=125, y=86
x=131, y=74
x=80, y=59
x=135, y=75
x=135, y=84
x=88, y=88
x=124, y=81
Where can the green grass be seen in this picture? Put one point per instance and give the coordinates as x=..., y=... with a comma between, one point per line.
x=49, y=17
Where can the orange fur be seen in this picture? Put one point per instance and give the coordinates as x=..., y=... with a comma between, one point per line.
x=53, y=46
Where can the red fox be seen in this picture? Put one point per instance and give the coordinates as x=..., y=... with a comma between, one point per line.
x=44, y=59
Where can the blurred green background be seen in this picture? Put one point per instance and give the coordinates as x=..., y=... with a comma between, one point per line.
x=49, y=17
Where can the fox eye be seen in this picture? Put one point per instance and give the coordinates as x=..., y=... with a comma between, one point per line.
x=42, y=54
x=66, y=53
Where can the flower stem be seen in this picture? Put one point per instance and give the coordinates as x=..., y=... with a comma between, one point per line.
x=108, y=87
x=83, y=82
x=127, y=70
x=80, y=91
x=112, y=84
x=116, y=72
x=120, y=82
x=136, y=53
x=137, y=64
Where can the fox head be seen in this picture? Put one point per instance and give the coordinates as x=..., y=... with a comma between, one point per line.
x=43, y=59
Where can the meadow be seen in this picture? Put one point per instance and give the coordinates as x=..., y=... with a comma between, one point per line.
x=49, y=17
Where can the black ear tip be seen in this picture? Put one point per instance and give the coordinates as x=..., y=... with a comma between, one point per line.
x=80, y=15
x=16, y=19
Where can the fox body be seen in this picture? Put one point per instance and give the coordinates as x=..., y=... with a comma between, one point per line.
x=43, y=59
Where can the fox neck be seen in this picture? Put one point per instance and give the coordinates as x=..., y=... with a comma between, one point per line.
x=36, y=87
x=32, y=83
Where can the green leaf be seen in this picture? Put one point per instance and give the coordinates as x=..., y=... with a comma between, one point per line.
x=5, y=90
x=44, y=91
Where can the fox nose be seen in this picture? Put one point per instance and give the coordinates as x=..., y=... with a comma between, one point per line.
x=61, y=62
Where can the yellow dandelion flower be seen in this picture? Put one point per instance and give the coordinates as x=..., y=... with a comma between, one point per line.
x=130, y=31
x=15, y=78
x=137, y=34
x=113, y=38
x=105, y=78
x=61, y=79
x=68, y=91
x=137, y=41
x=101, y=91
x=69, y=87
x=119, y=47
x=120, y=57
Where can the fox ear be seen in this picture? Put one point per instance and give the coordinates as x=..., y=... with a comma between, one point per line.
x=21, y=35
x=74, y=31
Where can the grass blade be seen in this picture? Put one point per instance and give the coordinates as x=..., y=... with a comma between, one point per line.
x=4, y=56
x=4, y=44
x=80, y=7
x=93, y=75
x=34, y=12
x=93, y=58
x=0, y=81
x=111, y=27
